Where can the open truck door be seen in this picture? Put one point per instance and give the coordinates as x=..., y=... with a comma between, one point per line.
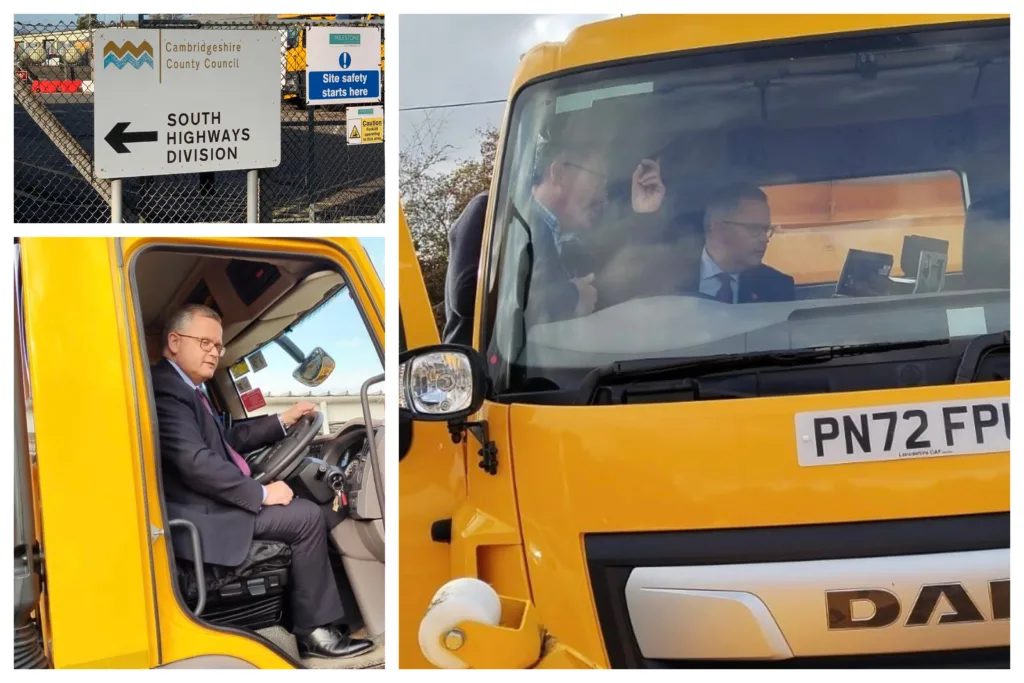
x=432, y=471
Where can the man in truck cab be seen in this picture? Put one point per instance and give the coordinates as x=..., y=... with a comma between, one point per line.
x=568, y=217
x=737, y=227
x=207, y=482
x=720, y=256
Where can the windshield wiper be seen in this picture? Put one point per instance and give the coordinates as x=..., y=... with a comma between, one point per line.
x=690, y=367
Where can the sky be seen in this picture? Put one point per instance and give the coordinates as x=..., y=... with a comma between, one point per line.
x=66, y=18
x=483, y=51
x=337, y=328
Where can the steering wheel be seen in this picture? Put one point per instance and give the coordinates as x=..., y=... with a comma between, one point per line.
x=282, y=455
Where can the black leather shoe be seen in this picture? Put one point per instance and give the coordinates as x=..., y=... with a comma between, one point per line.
x=327, y=642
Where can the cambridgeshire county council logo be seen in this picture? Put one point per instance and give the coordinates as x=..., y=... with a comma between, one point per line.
x=123, y=55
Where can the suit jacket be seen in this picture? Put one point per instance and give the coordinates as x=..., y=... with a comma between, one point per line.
x=764, y=284
x=201, y=481
x=464, y=240
x=552, y=295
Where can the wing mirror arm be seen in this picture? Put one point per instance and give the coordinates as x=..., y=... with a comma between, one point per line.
x=448, y=382
x=488, y=451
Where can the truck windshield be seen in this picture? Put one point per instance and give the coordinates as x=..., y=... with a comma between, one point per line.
x=824, y=192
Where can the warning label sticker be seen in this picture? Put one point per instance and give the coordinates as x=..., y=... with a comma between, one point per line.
x=239, y=369
x=253, y=400
x=257, y=361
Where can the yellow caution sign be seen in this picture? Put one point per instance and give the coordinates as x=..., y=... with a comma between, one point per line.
x=239, y=369
x=373, y=130
x=365, y=125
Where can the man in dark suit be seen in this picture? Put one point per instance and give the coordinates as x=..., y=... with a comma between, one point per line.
x=464, y=240
x=566, y=215
x=737, y=227
x=207, y=482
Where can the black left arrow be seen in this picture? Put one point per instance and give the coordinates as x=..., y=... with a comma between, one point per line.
x=118, y=138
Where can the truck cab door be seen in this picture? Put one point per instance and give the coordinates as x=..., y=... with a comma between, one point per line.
x=29, y=649
x=431, y=473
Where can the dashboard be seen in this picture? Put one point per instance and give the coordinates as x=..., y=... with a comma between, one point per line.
x=339, y=465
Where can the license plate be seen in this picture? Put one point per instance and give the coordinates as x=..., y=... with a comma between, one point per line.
x=907, y=431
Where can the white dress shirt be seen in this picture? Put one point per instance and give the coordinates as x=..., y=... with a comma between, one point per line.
x=710, y=282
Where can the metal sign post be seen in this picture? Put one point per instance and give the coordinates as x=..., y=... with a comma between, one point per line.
x=116, y=197
x=252, y=197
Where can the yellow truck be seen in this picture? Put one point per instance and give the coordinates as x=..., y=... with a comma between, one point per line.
x=820, y=478
x=96, y=581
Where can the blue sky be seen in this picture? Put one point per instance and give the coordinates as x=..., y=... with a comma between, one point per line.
x=337, y=328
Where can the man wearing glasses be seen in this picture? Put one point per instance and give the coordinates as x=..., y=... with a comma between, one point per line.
x=569, y=200
x=737, y=227
x=207, y=482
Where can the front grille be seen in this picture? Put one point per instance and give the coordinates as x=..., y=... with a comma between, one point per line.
x=612, y=557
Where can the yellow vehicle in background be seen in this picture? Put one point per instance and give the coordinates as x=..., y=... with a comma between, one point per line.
x=96, y=583
x=672, y=481
x=295, y=49
x=55, y=48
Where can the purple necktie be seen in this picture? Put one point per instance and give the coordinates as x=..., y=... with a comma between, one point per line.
x=724, y=294
x=239, y=460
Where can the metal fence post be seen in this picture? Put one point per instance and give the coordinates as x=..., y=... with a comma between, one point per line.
x=310, y=190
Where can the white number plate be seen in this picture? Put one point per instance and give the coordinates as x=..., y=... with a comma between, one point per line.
x=912, y=430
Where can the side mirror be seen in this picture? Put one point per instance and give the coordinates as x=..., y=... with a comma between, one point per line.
x=315, y=368
x=441, y=383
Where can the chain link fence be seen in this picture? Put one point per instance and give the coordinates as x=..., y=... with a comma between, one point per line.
x=321, y=177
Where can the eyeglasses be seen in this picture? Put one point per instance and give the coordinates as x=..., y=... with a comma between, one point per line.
x=755, y=229
x=603, y=177
x=204, y=343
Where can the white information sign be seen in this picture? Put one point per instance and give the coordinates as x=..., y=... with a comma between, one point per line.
x=342, y=65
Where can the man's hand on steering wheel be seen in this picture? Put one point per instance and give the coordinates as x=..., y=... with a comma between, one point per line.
x=295, y=413
x=303, y=425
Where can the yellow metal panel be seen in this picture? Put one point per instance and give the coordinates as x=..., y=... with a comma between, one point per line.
x=499, y=558
x=431, y=477
x=657, y=34
x=417, y=318
x=679, y=466
x=433, y=480
x=96, y=561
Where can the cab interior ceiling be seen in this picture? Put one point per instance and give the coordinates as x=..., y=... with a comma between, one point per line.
x=811, y=119
x=166, y=279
